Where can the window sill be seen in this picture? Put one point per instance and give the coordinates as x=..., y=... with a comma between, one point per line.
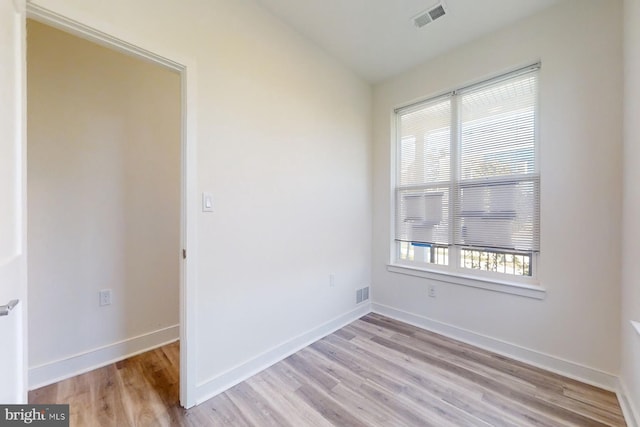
x=520, y=289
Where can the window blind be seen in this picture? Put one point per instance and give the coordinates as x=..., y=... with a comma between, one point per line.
x=497, y=189
x=424, y=173
x=467, y=172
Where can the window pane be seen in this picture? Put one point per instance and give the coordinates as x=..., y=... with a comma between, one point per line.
x=516, y=264
x=423, y=215
x=496, y=199
x=424, y=168
x=425, y=144
x=498, y=129
x=423, y=253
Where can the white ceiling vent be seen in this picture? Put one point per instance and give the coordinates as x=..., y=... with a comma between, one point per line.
x=429, y=15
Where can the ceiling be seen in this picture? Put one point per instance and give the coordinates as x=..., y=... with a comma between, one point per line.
x=377, y=38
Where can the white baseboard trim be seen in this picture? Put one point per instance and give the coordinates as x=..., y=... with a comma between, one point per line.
x=551, y=363
x=67, y=367
x=631, y=413
x=218, y=384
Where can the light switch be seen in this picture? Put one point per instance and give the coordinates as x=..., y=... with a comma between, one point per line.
x=207, y=202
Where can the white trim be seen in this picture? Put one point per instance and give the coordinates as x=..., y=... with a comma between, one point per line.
x=21, y=101
x=218, y=384
x=189, y=226
x=81, y=30
x=189, y=178
x=79, y=363
x=631, y=413
x=636, y=326
x=521, y=289
x=551, y=363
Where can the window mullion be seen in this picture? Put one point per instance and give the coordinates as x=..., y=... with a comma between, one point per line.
x=454, y=251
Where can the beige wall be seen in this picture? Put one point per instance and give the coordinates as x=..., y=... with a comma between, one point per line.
x=103, y=201
x=283, y=144
x=580, y=45
x=630, y=375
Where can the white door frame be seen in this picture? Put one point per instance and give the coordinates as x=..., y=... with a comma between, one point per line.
x=13, y=358
x=189, y=186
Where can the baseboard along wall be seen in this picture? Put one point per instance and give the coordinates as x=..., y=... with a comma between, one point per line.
x=630, y=411
x=58, y=370
x=213, y=386
x=67, y=367
x=551, y=363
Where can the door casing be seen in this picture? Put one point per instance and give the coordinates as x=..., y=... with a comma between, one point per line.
x=189, y=194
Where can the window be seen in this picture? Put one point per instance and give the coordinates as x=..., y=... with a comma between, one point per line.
x=467, y=182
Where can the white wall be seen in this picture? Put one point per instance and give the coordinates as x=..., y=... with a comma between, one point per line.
x=630, y=375
x=283, y=137
x=580, y=46
x=103, y=202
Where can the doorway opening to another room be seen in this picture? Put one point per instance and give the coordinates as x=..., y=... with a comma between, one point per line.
x=107, y=189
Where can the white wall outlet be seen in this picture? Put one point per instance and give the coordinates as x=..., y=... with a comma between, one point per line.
x=105, y=297
x=432, y=291
x=332, y=280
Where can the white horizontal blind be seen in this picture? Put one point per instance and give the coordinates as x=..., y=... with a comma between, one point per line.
x=424, y=172
x=497, y=192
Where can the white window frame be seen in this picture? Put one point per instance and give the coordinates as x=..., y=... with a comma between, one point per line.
x=527, y=286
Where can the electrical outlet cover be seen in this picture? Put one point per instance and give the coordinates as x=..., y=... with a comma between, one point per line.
x=105, y=297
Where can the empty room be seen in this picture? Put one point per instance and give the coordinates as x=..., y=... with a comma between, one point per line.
x=336, y=213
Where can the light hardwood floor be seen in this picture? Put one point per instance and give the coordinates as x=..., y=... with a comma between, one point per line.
x=373, y=372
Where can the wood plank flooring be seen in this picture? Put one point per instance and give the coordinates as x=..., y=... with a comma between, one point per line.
x=374, y=372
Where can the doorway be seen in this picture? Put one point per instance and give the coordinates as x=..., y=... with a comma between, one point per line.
x=105, y=202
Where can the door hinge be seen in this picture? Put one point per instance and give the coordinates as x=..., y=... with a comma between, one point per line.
x=184, y=254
